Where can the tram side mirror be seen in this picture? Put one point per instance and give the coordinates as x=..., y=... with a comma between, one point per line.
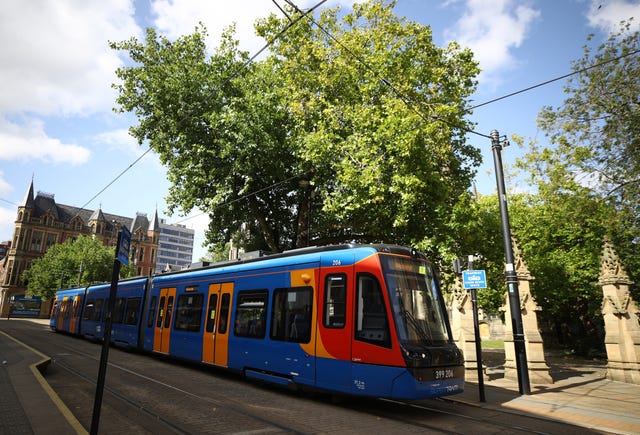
x=457, y=266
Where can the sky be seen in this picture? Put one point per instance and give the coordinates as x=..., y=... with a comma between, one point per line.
x=58, y=127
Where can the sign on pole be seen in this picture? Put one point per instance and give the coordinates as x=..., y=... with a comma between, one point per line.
x=124, y=245
x=474, y=279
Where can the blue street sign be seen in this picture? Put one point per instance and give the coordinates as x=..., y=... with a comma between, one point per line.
x=474, y=279
x=124, y=245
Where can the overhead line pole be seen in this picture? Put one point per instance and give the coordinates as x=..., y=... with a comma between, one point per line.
x=510, y=275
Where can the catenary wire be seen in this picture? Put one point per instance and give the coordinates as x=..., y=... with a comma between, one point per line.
x=615, y=59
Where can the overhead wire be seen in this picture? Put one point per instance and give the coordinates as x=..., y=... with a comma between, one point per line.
x=580, y=71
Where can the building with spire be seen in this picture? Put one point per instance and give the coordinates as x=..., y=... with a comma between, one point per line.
x=41, y=223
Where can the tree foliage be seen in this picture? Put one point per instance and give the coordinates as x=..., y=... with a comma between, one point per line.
x=595, y=137
x=351, y=128
x=61, y=265
x=588, y=187
x=560, y=235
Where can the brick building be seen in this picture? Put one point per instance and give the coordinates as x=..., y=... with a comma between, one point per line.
x=41, y=223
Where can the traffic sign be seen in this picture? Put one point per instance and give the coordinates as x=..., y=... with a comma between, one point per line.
x=124, y=245
x=474, y=279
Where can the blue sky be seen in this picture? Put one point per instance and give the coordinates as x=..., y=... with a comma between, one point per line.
x=57, y=125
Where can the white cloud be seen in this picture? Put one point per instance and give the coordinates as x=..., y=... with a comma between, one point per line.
x=29, y=141
x=491, y=29
x=5, y=187
x=7, y=222
x=55, y=55
x=607, y=16
x=120, y=140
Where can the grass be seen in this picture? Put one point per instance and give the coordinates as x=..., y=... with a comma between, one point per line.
x=492, y=344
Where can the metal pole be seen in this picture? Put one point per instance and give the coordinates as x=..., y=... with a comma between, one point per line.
x=80, y=273
x=102, y=372
x=476, y=330
x=510, y=275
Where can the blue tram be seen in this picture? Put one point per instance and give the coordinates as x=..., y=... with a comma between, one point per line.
x=364, y=320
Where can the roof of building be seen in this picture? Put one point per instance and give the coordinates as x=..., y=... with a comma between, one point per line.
x=44, y=203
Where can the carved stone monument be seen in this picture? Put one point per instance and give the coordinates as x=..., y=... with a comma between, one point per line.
x=621, y=319
x=462, y=327
x=538, y=368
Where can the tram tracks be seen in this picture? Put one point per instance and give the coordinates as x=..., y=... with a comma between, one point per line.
x=156, y=395
x=121, y=387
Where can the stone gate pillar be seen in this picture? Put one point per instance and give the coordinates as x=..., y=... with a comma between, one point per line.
x=621, y=319
x=537, y=365
x=462, y=327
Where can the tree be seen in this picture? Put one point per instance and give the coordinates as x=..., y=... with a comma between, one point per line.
x=68, y=264
x=588, y=186
x=352, y=128
x=595, y=136
x=474, y=229
x=560, y=233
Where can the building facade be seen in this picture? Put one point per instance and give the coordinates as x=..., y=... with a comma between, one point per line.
x=41, y=223
x=175, y=247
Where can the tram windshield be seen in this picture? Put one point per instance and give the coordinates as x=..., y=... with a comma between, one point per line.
x=415, y=300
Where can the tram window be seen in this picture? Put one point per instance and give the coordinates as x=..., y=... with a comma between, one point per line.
x=97, y=312
x=211, y=312
x=189, y=312
x=167, y=316
x=88, y=309
x=152, y=312
x=371, y=316
x=291, y=318
x=223, y=317
x=251, y=313
x=131, y=315
x=161, y=312
x=118, y=310
x=335, y=298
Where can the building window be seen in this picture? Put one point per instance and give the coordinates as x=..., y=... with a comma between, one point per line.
x=52, y=239
x=36, y=241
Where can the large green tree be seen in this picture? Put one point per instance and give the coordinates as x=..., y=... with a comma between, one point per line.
x=595, y=136
x=351, y=128
x=68, y=264
x=587, y=182
x=560, y=233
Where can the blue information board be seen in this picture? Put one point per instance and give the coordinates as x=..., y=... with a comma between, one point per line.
x=124, y=245
x=474, y=279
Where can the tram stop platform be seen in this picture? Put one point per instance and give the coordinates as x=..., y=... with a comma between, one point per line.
x=580, y=395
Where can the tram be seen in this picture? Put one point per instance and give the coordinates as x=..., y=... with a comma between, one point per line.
x=366, y=320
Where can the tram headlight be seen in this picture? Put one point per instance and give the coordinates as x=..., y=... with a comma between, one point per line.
x=417, y=357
